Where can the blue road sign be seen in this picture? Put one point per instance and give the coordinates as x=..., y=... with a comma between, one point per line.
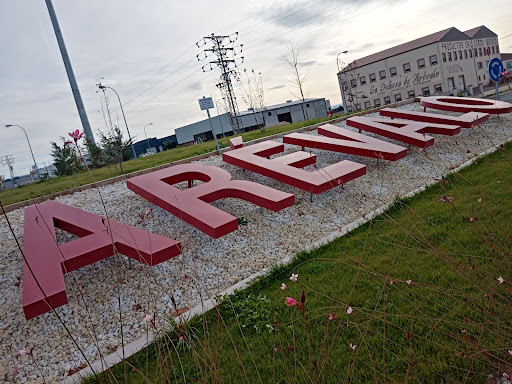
x=495, y=69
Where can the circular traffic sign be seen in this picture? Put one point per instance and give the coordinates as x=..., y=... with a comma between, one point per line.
x=495, y=69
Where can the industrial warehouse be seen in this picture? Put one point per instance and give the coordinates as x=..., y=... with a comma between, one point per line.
x=448, y=62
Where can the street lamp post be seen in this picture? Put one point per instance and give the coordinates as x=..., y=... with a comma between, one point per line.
x=341, y=81
x=147, y=142
x=30, y=147
x=101, y=86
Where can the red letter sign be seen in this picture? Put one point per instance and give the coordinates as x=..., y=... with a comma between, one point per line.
x=287, y=169
x=46, y=261
x=468, y=120
x=345, y=141
x=466, y=104
x=192, y=205
x=409, y=132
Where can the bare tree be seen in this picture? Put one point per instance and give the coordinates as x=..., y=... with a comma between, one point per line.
x=253, y=95
x=298, y=78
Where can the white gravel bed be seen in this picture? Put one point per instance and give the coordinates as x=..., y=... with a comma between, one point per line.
x=207, y=265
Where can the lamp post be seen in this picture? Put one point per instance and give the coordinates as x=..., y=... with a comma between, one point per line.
x=28, y=141
x=341, y=81
x=101, y=86
x=147, y=142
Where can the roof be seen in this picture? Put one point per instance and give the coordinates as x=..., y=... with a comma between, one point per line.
x=506, y=56
x=480, y=32
x=282, y=105
x=449, y=34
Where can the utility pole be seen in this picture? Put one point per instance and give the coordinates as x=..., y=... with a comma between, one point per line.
x=225, y=51
x=9, y=161
x=69, y=70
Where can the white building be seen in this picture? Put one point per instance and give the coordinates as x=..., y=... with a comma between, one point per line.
x=290, y=112
x=448, y=62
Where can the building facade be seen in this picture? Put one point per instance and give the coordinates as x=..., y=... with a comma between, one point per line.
x=289, y=112
x=448, y=62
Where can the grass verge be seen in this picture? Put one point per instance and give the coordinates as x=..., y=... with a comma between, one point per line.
x=412, y=296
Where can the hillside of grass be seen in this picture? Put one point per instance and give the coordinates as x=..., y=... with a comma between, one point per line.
x=420, y=294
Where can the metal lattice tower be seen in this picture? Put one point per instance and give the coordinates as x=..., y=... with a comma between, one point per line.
x=225, y=51
x=9, y=161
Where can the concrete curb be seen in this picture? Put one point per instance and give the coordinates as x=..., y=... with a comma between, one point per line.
x=139, y=344
x=101, y=183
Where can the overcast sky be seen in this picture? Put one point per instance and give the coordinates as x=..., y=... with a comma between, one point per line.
x=146, y=51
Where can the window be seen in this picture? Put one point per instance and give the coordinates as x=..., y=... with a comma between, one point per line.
x=367, y=105
x=455, y=56
x=480, y=65
x=460, y=55
x=387, y=100
x=438, y=88
x=421, y=63
x=470, y=53
x=270, y=113
x=307, y=105
x=484, y=76
x=358, y=107
x=377, y=102
x=449, y=56
x=392, y=71
x=411, y=94
x=425, y=91
x=362, y=80
x=372, y=77
x=476, y=52
x=433, y=60
x=353, y=83
x=398, y=98
x=480, y=52
x=465, y=53
x=497, y=49
x=345, y=86
x=492, y=49
x=444, y=57
x=382, y=75
x=349, y=109
x=407, y=67
x=479, y=78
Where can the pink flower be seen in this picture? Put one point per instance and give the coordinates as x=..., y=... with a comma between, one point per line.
x=16, y=370
x=391, y=282
x=506, y=376
x=331, y=317
x=442, y=199
x=409, y=282
x=275, y=349
x=479, y=200
x=350, y=310
x=180, y=338
x=510, y=352
x=77, y=135
x=149, y=318
x=283, y=286
x=471, y=219
x=294, y=277
x=22, y=351
x=352, y=346
x=290, y=301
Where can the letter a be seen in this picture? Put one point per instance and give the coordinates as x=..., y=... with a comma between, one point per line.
x=192, y=204
x=46, y=262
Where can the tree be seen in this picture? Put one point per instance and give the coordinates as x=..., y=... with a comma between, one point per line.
x=253, y=95
x=65, y=158
x=96, y=157
x=115, y=149
x=298, y=78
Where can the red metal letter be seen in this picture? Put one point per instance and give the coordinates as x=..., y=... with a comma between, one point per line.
x=46, y=261
x=287, y=169
x=468, y=120
x=409, y=132
x=192, y=205
x=466, y=104
x=345, y=141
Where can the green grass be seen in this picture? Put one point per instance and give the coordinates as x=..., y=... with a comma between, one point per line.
x=62, y=183
x=453, y=324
